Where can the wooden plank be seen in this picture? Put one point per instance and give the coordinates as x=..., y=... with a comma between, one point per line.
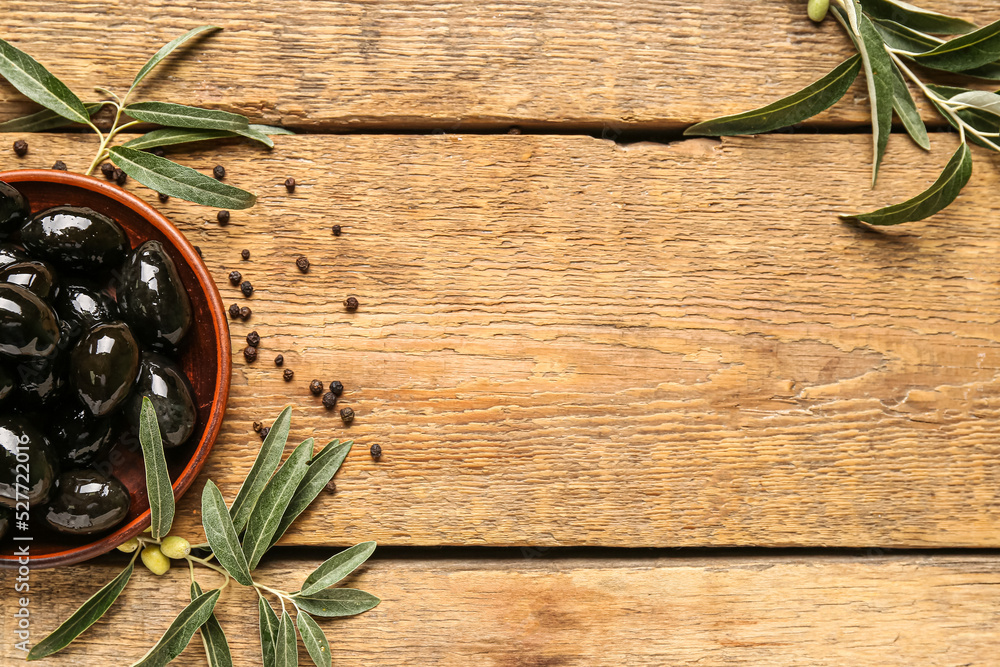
x=565, y=343
x=461, y=65
x=904, y=610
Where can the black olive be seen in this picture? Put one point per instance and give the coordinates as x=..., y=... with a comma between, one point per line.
x=77, y=437
x=152, y=299
x=11, y=254
x=7, y=383
x=6, y=515
x=34, y=276
x=26, y=452
x=103, y=367
x=87, y=503
x=14, y=209
x=84, y=305
x=75, y=237
x=28, y=327
x=41, y=380
x=166, y=386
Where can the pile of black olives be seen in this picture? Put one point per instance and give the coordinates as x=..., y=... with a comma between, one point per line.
x=88, y=327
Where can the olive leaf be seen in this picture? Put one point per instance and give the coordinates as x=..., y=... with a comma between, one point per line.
x=161, y=495
x=273, y=501
x=35, y=82
x=982, y=121
x=44, y=120
x=881, y=88
x=286, y=652
x=180, y=632
x=268, y=632
x=256, y=135
x=176, y=180
x=970, y=51
x=336, y=602
x=979, y=99
x=793, y=109
x=222, y=535
x=270, y=130
x=166, y=50
x=944, y=191
x=321, y=470
x=171, y=136
x=905, y=39
x=88, y=613
x=213, y=637
x=267, y=461
x=336, y=568
x=182, y=115
x=907, y=111
x=914, y=17
x=313, y=639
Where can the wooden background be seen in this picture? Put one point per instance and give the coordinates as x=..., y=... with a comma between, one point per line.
x=592, y=334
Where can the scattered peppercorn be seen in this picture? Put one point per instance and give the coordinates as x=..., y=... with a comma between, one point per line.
x=253, y=339
x=316, y=387
x=246, y=288
x=108, y=170
x=245, y=254
x=250, y=352
x=197, y=249
x=331, y=487
x=222, y=217
x=278, y=360
x=21, y=147
x=290, y=184
x=60, y=165
x=376, y=452
x=336, y=387
x=219, y=172
x=347, y=415
x=245, y=313
x=288, y=374
x=234, y=311
x=257, y=426
x=350, y=303
x=303, y=264
x=336, y=230
x=158, y=152
x=264, y=431
x=120, y=177
x=235, y=277
x=514, y=130
x=329, y=400
x=163, y=197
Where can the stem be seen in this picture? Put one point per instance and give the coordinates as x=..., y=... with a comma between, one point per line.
x=119, y=129
x=109, y=93
x=102, y=149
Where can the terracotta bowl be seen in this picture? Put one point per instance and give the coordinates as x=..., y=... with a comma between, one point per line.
x=205, y=357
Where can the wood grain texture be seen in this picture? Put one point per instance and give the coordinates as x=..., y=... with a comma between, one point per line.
x=624, y=611
x=338, y=65
x=561, y=342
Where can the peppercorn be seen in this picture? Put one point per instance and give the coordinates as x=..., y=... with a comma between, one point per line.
x=331, y=488
x=120, y=177
x=253, y=339
x=21, y=147
x=329, y=400
x=245, y=313
x=245, y=254
x=158, y=152
x=346, y=415
x=376, y=452
x=316, y=387
x=303, y=264
x=246, y=288
x=288, y=374
x=257, y=426
x=350, y=303
x=197, y=249
x=234, y=311
x=278, y=360
x=163, y=197
x=222, y=217
x=250, y=352
x=264, y=431
x=336, y=230
x=336, y=387
x=60, y=165
x=219, y=172
x=235, y=277
x=290, y=184
x=108, y=170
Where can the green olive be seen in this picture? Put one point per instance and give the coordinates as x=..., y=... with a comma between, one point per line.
x=175, y=547
x=154, y=559
x=817, y=9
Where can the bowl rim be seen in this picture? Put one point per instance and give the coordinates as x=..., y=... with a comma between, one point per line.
x=220, y=325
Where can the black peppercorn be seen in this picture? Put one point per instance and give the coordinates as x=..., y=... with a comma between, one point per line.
x=222, y=217
x=336, y=230
x=264, y=431
x=316, y=387
x=336, y=387
x=257, y=426
x=303, y=264
x=163, y=197
x=60, y=165
x=235, y=277
x=219, y=172
x=331, y=487
x=288, y=374
x=245, y=313
x=376, y=452
x=246, y=288
x=253, y=339
x=250, y=352
x=245, y=254
x=329, y=400
x=350, y=303
x=21, y=147
x=279, y=360
x=234, y=311
x=120, y=177
x=290, y=184
x=158, y=152
x=347, y=415
x=197, y=249
x=108, y=170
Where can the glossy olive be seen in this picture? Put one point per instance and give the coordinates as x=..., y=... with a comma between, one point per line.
x=103, y=367
x=28, y=326
x=6, y=515
x=75, y=237
x=37, y=277
x=167, y=388
x=14, y=209
x=28, y=466
x=152, y=298
x=7, y=383
x=86, y=503
x=11, y=254
x=40, y=381
x=78, y=437
x=84, y=305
